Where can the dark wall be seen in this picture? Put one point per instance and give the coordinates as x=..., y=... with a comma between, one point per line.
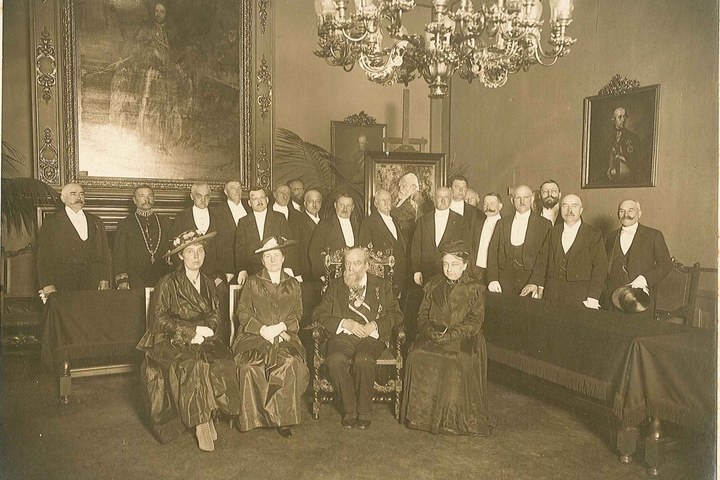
x=531, y=129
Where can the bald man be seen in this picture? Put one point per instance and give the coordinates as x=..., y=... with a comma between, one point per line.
x=73, y=251
x=577, y=262
x=638, y=255
x=517, y=255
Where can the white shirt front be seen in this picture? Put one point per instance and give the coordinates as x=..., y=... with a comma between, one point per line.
x=279, y=209
x=314, y=218
x=390, y=224
x=260, y=222
x=375, y=334
x=458, y=206
x=202, y=218
x=627, y=235
x=79, y=221
x=347, y=231
x=551, y=213
x=275, y=277
x=485, y=236
x=297, y=206
x=441, y=221
x=238, y=211
x=519, y=227
x=569, y=234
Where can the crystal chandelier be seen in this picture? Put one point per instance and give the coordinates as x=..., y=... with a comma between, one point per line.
x=488, y=44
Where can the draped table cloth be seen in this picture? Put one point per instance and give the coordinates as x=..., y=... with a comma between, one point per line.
x=92, y=324
x=635, y=367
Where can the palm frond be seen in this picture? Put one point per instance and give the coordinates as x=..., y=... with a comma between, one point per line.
x=11, y=159
x=20, y=197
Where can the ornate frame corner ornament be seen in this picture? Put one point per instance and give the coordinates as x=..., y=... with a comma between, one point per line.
x=48, y=164
x=619, y=85
x=361, y=119
x=45, y=65
x=264, y=88
x=263, y=167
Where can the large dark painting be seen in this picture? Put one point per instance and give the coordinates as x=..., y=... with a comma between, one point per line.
x=620, y=139
x=158, y=89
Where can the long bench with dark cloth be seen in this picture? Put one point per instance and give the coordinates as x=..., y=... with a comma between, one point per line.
x=91, y=325
x=636, y=368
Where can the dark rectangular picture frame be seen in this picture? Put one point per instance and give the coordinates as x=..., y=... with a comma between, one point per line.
x=627, y=160
x=344, y=138
x=384, y=169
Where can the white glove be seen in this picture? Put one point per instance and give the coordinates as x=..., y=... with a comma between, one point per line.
x=242, y=276
x=495, y=287
x=640, y=282
x=269, y=332
x=591, y=303
x=197, y=339
x=204, y=331
x=418, y=278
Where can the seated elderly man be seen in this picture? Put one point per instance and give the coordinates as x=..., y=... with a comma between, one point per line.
x=358, y=311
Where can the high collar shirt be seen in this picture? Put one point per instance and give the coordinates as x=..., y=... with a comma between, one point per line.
x=347, y=231
x=314, y=218
x=260, y=222
x=519, y=228
x=238, y=211
x=458, y=206
x=485, y=236
x=627, y=235
x=275, y=277
x=569, y=234
x=79, y=221
x=297, y=206
x=551, y=213
x=279, y=209
x=441, y=221
x=390, y=224
x=202, y=219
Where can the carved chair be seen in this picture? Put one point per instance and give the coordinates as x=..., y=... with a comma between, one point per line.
x=390, y=391
x=235, y=291
x=20, y=306
x=676, y=294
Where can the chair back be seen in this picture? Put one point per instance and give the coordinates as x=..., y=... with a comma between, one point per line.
x=20, y=274
x=381, y=263
x=676, y=293
x=235, y=291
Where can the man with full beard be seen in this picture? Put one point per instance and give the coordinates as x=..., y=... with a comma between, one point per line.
x=358, y=312
x=638, y=255
x=550, y=198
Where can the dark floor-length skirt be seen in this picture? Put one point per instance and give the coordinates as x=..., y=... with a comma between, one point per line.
x=271, y=397
x=186, y=384
x=444, y=391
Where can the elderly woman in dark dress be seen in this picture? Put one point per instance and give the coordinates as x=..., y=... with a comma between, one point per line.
x=446, y=368
x=189, y=374
x=270, y=358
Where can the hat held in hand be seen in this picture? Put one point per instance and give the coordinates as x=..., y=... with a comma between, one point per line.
x=631, y=300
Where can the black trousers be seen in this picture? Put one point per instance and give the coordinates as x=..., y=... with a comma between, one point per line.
x=354, y=384
x=513, y=280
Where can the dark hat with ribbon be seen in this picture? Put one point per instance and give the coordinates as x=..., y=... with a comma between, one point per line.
x=455, y=247
x=188, y=238
x=275, y=243
x=631, y=300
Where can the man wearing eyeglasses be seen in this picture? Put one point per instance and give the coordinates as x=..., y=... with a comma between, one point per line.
x=638, y=255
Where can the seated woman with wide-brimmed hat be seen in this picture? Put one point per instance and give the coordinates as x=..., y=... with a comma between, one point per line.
x=198, y=372
x=270, y=358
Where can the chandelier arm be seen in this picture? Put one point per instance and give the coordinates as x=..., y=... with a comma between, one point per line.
x=352, y=39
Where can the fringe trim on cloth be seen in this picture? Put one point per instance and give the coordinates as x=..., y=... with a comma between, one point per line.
x=547, y=371
x=666, y=411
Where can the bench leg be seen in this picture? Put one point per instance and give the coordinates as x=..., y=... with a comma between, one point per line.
x=627, y=443
x=65, y=384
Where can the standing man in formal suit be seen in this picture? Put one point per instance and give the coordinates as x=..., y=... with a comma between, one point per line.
x=492, y=205
x=333, y=233
x=297, y=192
x=73, y=251
x=550, y=199
x=141, y=240
x=408, y=207
x=458, y=185
x=577, y=262
x=358, y=312
x=380, y=230
x=282, y=202
x=252, y=229
x=200, y=218
x=228, y=214
x=517, y=255
x=437, y=226
x=638, y=255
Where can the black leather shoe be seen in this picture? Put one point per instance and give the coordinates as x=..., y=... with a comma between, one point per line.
x=363, y=424
x=285, y=432
x=349, y=422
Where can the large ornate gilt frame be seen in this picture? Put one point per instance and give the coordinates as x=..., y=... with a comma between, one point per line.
x=55, y=114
